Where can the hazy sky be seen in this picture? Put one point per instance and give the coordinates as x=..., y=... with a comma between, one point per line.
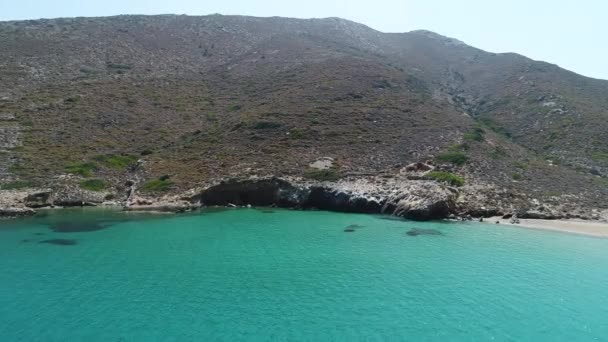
x=572, y=34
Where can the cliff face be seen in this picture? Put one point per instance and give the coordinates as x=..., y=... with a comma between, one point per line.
x=173, y=102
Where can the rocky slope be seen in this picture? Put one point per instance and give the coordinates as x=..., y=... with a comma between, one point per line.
x=106, y=109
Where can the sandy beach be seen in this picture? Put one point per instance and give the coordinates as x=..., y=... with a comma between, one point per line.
x=579, y=227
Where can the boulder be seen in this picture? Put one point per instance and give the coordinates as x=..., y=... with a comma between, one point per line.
x=417, y=167
x=324, y=163
x=38, y=199
x=603, y=216
x=76, y=197
x=539, y=213
x=422, y=201
x=10, y=212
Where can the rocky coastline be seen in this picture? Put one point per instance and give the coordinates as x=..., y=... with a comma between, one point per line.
x=413, y=199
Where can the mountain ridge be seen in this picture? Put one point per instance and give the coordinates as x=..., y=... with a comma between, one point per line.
x=211, y=97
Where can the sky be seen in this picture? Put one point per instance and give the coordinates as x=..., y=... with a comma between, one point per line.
x=571, y=34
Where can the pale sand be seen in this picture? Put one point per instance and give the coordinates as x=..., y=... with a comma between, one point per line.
x=580, y=227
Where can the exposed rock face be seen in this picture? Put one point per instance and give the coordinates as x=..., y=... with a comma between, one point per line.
x=163, y=204
x=603, y=216
x=538, y=213
x=422, y=201
x=328, y=198
x=263, y=192
x=324, y=163
x=73, y=197
x=16, y=211
x=417, y=200
x=39, y=199
x=417, y=168
x=12, y=204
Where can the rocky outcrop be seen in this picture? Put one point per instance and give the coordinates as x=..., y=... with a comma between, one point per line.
x=9, y=212
x=261, y=192
x=422, y=201
x=164, y=204
x=603, y=216
x=75, y=197
x=39, y=199
x=417, y=200
x=399, y=196
x=540, y=213
x=12, y=204
x=328, y=198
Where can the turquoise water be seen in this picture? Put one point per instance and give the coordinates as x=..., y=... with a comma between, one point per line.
x=283, y=275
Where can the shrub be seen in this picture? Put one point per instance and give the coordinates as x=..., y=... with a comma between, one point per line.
x=297, y=133
x=157, y=185
x=119, y=67
x=16, y=168
x=93, y=184
x=457, y=158
x=495, y=126
x=266, y=125
x=498, y=153
x=600, y=157
x=328, y=175
x=15, y=185
x=477, y=134
x=520, y=165
x=116, y=161
x=516, y=176
x=146, y=152
x=446, y=177
x=83, y=169
x=87, y=70
x=234, y=108
x=211, y=116
x=73, y=99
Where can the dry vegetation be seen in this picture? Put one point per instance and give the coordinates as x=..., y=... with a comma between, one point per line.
x=201, y=98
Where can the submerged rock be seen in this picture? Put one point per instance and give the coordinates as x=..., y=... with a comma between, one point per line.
x=60, y=242
x=351, y=228
x=421, y=231
x=77, y=227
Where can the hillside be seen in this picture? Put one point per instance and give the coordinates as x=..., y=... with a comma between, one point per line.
x=174, y=102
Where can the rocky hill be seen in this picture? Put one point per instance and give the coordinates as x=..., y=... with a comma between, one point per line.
x=163, y=104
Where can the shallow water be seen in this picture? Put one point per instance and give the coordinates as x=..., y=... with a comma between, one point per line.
x=292, y=275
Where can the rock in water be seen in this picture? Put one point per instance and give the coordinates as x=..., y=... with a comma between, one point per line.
x=16, y=211
x=60, y=242
x=351, y=228
x=77, y=227
x=420, y=231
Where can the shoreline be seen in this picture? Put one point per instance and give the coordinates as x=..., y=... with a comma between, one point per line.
x=596, y=229
x=589, y=228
